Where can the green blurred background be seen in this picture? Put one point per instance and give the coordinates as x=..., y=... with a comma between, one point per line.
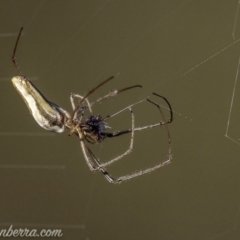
x=185, y=50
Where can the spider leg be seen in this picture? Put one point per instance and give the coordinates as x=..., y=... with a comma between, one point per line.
x=74, y=95
x=128, y=151
x=88, y=154
x=89, y=93
x=94, y=163
x=164, y=122
x=87, y=151
x=169, y=106
x=122, y=110
x=91, y=158
x=114, y=93
x=14, y=53
x=162, y=164
x=141, y=172
x=117, y=133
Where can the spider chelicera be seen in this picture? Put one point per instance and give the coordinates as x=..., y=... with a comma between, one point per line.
x=89, y=129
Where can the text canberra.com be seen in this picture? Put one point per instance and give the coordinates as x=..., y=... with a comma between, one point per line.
x=25, y=232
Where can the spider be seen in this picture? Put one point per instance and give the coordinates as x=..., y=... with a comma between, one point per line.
x=89, y=129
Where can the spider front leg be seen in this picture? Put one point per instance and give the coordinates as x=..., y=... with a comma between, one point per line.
x=115, y=93
x=161, y=164
x=93, y=162
x=161, y=123
x=133, y=129
x=164, y=122
x=95, y=165
x=129, y=150
x=90, y=157
x=74, y=95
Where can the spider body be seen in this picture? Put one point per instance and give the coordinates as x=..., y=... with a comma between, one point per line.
x=89, y=129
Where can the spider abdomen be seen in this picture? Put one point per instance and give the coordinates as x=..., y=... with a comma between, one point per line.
x=48, y=115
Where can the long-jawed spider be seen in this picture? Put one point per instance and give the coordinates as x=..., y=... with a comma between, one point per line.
x=90, y=129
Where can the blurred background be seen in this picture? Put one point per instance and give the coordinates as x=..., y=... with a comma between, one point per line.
x=185, y=50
